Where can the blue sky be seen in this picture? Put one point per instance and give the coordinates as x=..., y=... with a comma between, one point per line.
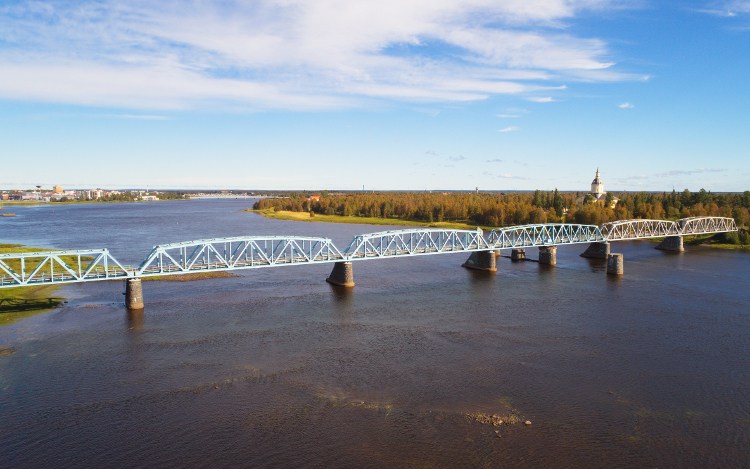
x=393, y=94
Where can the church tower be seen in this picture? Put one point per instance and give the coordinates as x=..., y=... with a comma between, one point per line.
x=597, y=186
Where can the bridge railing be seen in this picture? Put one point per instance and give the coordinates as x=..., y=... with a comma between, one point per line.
x=415, y=242
x=237, y=253
x=37, y=268
x=545, y=234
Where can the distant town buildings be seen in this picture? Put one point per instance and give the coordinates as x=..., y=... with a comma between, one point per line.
x=58, y=193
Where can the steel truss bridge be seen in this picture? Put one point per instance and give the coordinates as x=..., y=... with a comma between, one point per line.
x=251, y=252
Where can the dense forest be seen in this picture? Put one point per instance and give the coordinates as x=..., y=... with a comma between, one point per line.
x=497, y=209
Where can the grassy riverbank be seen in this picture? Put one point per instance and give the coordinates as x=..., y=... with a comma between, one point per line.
x=713, y=242
x=304, y=216
x=22, y=302
x=192, y=277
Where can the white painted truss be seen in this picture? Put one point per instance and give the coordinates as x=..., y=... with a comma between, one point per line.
x=37, y=268
x=622, y=230
x=237, y=253
x=546, y=234
x=415, y=242
x=639, y=229
x=701, y=225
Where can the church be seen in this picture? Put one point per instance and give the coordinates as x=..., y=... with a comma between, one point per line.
x=597, y=187
x=597, y=194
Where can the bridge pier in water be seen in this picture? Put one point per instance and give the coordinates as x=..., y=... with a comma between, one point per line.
x=518, y=254
x=133, y=294
x=671, y=243
x=615, y=264
x=597, y=251
x=342, y=275
x=548, y=255
x=482, y=260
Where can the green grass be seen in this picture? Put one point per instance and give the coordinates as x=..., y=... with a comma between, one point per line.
x=305, y=216
x=21, y=302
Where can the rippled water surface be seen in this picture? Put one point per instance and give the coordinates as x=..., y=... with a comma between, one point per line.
x=275, y=367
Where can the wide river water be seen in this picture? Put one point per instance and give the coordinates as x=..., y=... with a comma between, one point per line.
x=276, y=368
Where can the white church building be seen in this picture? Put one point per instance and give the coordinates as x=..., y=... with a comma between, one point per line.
x=597, y=187
x=597, y=192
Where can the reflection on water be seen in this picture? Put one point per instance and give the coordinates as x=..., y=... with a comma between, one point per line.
x=415, y=366
x=135, y=319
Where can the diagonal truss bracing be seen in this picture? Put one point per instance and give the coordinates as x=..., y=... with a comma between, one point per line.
x=642, y=229
x=237, y=253
x=414, y=242
x=547, y=234
x=37, y=268
x=702, y=225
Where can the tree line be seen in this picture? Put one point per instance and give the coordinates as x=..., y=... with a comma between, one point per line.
x=518, y=208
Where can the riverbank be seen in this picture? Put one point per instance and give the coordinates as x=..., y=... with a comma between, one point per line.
x=710, y=241
x=191, y=277
x=304, y=216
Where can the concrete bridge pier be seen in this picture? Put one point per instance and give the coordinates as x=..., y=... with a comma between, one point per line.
x=133, y=294
x=615, y=264
x=671, y=243
x=482, y=260
x=342, y=275
x=548, y=255
x=597, y=251
x=518, y=254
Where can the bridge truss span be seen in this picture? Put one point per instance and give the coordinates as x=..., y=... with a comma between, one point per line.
x=701, y=225
x=546, y=234
x=52, y=267
x=415, y=242
x=237, y=253
x=622, y=230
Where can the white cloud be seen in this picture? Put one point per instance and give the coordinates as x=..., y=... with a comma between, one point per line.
x=728, y=9
x=293, y=54
x=626, y=105
x=541, y=99
x=689, y=172
x=510, y=128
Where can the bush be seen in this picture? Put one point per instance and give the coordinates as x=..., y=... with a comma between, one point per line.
x=728, y=238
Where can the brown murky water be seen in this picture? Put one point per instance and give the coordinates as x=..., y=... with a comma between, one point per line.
x=277, y=368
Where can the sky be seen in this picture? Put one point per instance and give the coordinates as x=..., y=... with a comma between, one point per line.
x=385, y=95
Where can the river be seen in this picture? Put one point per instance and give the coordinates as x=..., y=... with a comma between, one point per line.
x=274, y=367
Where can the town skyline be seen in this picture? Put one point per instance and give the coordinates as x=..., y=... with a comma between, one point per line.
x=512, y=95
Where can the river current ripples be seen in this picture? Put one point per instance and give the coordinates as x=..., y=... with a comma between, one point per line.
x=274, y=367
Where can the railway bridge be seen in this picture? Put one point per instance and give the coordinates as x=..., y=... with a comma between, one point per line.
x=253, y=252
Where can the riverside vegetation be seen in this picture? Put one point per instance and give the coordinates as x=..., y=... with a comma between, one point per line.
x=491, y=210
